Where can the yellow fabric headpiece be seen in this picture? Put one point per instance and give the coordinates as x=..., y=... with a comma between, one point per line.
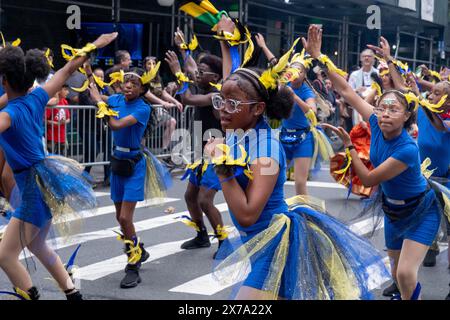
x=435, y=108
x=182, y=78
x=270, y=77
x=250, y=49
x=300, y=58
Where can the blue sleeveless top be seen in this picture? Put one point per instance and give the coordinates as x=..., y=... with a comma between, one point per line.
x=262, y=142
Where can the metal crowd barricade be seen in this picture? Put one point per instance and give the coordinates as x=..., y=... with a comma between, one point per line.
x=89, y=141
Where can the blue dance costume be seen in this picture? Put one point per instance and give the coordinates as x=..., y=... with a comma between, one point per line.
x=150, y=178
x=435, y=144
x=130, y=189
x=299, y=126
x=410, y=205
x=287, y=253
x=49, y=186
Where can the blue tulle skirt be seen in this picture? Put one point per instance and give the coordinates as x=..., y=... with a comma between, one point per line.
x=55, y=187
x=304, y=254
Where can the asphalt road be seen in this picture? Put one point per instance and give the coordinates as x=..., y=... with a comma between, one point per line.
x=174, y=274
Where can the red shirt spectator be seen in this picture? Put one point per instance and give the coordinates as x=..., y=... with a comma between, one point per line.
x=56, y=122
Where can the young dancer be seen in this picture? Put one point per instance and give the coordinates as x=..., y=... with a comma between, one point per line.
x=288, y=248
x=411, y=208
x=48, y=185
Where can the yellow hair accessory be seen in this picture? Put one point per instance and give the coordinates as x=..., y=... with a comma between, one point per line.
x=384, y=72
x=191, y=46
x=103, y=111
x=435, y=74
x=330, y=65
x=226, y=159
x=322, y=145
x=300, y=58
x=269, y=78
x=410, y=98
x=16, y=43
x=436, y=108
x=250, y=49
x=118, y=76
x=88, y=48
x=424, y=168
x=47, y=56
x=150, y=75
x=218, y=86
x=377, y=88
x=181, y=77
x=347, y=166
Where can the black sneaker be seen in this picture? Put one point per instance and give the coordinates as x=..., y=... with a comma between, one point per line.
x=200, y=241
x=132, y=278
x=72, y=295
x=391, y=291
x=430, y=258
x=145, y=255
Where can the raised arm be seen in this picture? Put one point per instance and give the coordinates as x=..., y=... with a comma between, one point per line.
x=57, y=81
x=190, y=66
x=226, y=25
x=262, y=44
x=313, y=46
x=384, y=50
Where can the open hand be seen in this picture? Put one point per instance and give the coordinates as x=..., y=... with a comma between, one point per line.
x=345, y=137
x=105, y=39
x=172, y=61
x=384, y=50
x=313, y=44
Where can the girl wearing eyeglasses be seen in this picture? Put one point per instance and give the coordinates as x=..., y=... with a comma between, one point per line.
x=411, y=207
x=282, y=251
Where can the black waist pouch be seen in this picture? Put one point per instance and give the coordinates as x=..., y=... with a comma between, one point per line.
x=124, y=167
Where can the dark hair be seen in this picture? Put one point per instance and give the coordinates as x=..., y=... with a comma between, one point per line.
x=120, y=55
x=410, y=107
x=21, y=70
x=214, y=62
x=279, y=102
x=376, y=77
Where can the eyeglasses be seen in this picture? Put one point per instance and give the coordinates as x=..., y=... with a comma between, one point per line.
x=391, y=112
x=230, y=105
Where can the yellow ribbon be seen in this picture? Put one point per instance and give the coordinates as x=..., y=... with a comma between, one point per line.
x=221, y=232
x=233, y=39
x=424, y=168
x=182, y=78
x=436, y=108
x=377, y=88
x=331, y=66
x=226, y=159
x=218, y=86
x=22, y=293
x=47, y=56
x=15, y=43
x=191, y=224
x=435, y=74
x=270, y=77
x=103, y=111
x=250, y=49
x=347, y=166
x=191, y=46
x=88, y=48
x=135, y=252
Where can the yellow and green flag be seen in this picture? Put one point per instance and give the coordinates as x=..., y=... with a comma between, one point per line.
x=202, y=10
